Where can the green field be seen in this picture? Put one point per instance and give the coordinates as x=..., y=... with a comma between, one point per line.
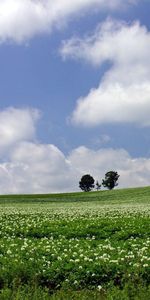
x=76, y=246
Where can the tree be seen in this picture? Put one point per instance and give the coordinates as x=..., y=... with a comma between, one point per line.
x=110, y=180
x=86, y=183
x=98, y=186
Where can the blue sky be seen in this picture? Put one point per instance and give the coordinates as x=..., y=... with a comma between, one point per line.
x=52, y=55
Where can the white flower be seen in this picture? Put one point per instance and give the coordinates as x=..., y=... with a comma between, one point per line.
x=145, y=265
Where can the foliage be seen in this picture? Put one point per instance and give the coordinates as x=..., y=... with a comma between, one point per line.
x=86, y=183
x=129, y=292
x=110, y=180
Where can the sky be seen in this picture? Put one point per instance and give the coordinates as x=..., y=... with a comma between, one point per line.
x=74, y=93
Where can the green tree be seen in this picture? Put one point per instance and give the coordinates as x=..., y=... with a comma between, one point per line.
x=86, y=183
x=110, y=180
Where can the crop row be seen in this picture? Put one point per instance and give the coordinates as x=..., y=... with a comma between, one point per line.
x=56, y=246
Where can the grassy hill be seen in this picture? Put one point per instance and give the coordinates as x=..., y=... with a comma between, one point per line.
x=141, y=194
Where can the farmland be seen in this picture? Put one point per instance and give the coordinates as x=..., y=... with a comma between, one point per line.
x=76, y=246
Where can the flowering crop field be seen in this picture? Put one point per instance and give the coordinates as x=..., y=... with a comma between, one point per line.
x=85, y=245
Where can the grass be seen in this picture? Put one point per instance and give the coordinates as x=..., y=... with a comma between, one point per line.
x=76, y=246
x=127, y=195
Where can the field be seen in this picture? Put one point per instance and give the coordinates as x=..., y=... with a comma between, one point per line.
x=76, y=246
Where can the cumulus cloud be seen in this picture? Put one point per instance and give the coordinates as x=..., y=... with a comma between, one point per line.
x=16, y=125
x=27, y=166
x=36, y=168
x=123, y=94
x=20, y=20
x=133, y=171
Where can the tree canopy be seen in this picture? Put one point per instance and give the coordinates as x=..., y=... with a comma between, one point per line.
x=110, y=180
x=86, y=183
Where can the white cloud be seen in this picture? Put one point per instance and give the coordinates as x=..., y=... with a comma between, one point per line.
x=16, y=125
x=20, y=20
x=27, y=166
x=133, y=171
x=36, y=168
x=39, y=168
x=124, y=91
